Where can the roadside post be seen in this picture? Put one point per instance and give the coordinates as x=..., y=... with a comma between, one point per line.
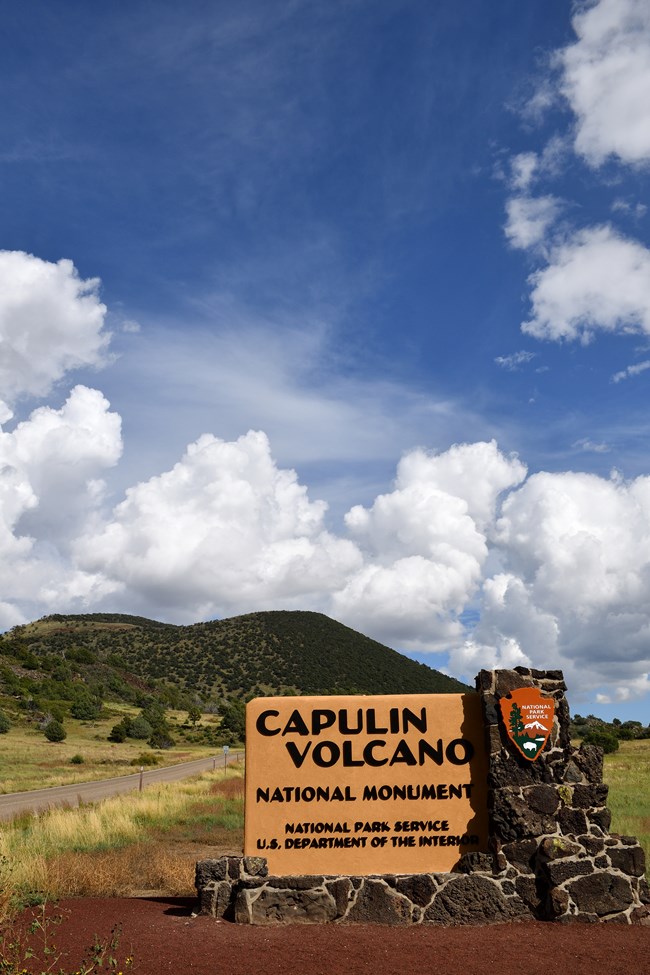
x=226, y=749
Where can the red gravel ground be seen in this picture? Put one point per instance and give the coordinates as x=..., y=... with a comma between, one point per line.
x=163, y=937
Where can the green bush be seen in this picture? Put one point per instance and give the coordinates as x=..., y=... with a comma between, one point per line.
x=86, y=708
x=625, y=734
x=54, y=731
x=77, y=760
x=162, y=739
x=145, y=758
x=118, y=733
x=140, y=728
x=82, y=655
x=233, y=720
x=607, y=740
x=5, y=723
x=56, y=712
x=194, y=714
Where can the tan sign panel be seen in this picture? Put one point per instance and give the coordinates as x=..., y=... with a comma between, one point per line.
x=365, y=785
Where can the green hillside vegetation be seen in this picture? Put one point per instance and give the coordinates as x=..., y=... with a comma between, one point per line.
x=260, y=653
x=67, y=670
x=608, y=734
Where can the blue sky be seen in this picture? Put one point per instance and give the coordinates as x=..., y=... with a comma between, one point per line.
x=334, y=306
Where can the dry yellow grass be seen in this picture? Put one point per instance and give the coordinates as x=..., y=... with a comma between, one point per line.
x=28, y=761
x=120, y=873
x=107, y=847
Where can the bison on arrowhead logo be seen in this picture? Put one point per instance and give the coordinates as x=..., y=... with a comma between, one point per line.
x=528, y=718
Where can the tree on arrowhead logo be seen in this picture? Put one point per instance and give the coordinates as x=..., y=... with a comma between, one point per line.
x=528, y=717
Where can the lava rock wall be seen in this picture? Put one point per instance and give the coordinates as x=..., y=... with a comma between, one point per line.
x=549, y=821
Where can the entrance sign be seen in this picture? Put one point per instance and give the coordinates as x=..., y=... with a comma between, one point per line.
x=365, y=785
x=528, y=717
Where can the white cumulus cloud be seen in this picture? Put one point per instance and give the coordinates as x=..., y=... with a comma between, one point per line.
x=224, y=531
x=50, y=488
x=596, y=280
x=593, y=279
x=606, y=79
x=51, y=321
x=227, y=531
x=529, y=219
x=425, y=544
x=575, y=590
x=62, y=454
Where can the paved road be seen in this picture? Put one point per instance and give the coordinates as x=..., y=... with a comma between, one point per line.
x=71, y=795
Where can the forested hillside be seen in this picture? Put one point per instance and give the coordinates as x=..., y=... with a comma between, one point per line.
x=129, y=657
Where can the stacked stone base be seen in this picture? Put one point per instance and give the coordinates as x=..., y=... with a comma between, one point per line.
x=240, y=889
x=565, y=887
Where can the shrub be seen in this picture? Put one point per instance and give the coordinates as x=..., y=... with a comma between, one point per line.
x=625, y=734
x=77, y=760
x=5, y=723
x=194, y=714
x=140, y=728
x=145, y=758
x=86, y=708
x=118, y=733
x=82, y=655
x=57, y=713
x=161, y=738
x=54, y=731
x=607, y=740
x=233, y=720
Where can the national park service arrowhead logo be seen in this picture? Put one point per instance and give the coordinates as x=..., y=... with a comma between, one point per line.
x=528, y=717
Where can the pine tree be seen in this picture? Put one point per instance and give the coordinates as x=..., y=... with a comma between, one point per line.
x=516, y=721
x=54, y=731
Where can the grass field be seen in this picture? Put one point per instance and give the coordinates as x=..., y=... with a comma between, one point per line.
x=627, y=773
x=29, y=761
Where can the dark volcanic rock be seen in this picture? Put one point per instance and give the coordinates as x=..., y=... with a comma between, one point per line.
x=572, y=821
x=378, y=904
x=473, y=900
x=514, y=819
x=419, y=888
x=543, y=799
x=629, y=860
x=601, y=894
x=209, y=871
x=561, y=870
x=586, y=796
x=340, y=889
x=271, y=906
x=589, y=759
x=522, y=854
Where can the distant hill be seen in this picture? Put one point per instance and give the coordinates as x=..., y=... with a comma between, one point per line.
x=259, y=653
